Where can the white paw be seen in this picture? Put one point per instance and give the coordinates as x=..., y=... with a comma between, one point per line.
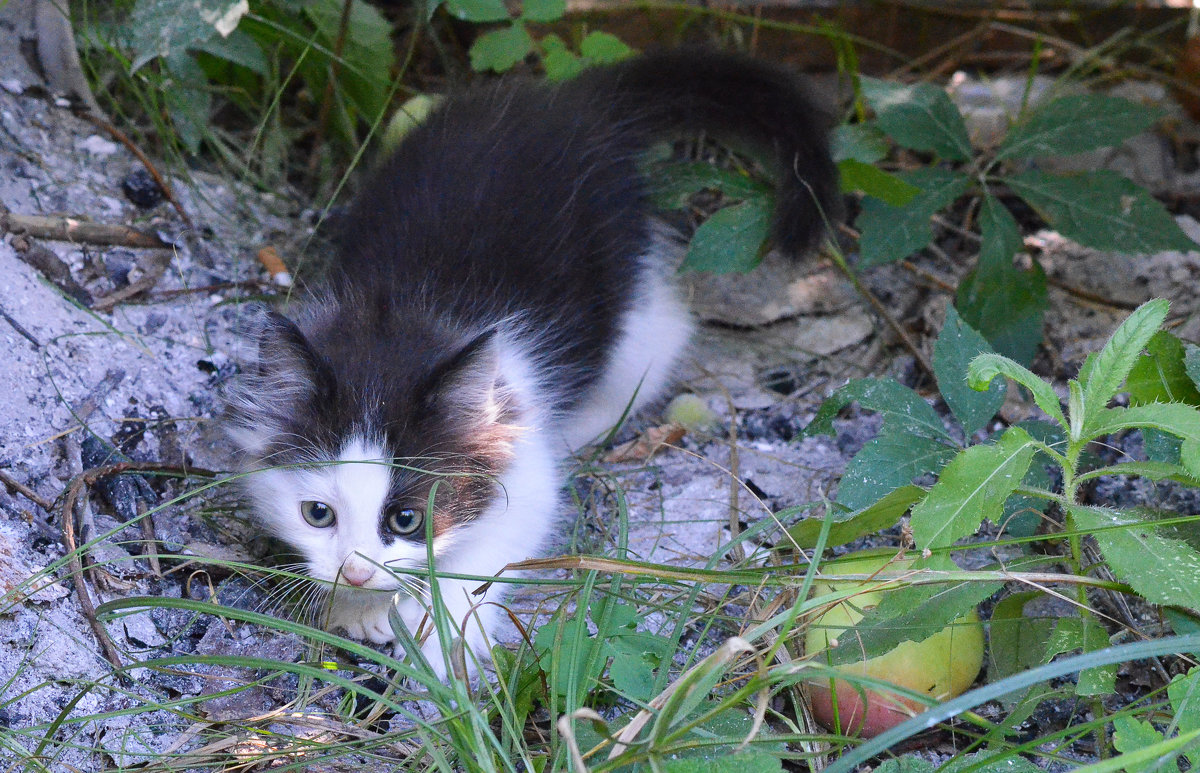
x=477, y=643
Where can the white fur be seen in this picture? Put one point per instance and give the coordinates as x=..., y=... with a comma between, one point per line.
x=651, y=336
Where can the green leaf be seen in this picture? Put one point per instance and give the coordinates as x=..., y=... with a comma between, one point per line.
x=888, y=462
x=1178, y=419
x=903, y=410
x=986, y=367
x=1086, y=635
x=847, y=527
x=1130, y=734
x=1191, y=363
x=238, y=48
x=543, y=10
x=738, y=762
x=920, y=116
x=604, y=48
x=368, y=54
x=732, y=239
x=1077, y=124
x=860, y=142
x=1184, y=694
x=187, y=98
x=905, y=764
x=674, y=184
x=873, y=181
x=478, y=10
x=1017, y=642
x=956, y=346
x=694, y=687
x=1160, y=375
x=501, y=50
x=1101, y=210
x=1004, y=303
x=160, y=27
x=558, y=61
x=972, y=487
x=1114, y=362
x=1172, y=575
x=990, y=762
x=891, y=233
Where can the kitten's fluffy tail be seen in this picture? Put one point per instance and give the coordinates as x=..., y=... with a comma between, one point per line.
x=733, y=95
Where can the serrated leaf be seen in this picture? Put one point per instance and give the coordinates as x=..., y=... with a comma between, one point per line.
x=1076, y=124
x=478, y=11
x=1006, y=304
x=847, y=527
x=1160, y=375
x=860, y=142
x=674, y=184
x=543, y=10
x=905, y=764
x=986, y=367
x=956, y=346
x=1191, y=363
x=873, y=181
x=1178, y=419
x=732, y=239
x=604, y=48
x=737, y=762
x=1171, y=578
x=971, y=488
x=888, y=462
x=989, y=762
x=558, y=61
x=903, y=410
x=890, y=233
x=920, y=116
x=1114, y=362
x=1184, y=694
x=1101, y=209
x=1017, y=641
x=1086, y=635
x=501, y=50
x=160, y=27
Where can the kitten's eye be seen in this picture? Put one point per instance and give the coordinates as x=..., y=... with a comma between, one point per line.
x=317, y=514
x=404, y=521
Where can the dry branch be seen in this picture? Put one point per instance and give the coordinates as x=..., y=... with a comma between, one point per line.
x=68, y=229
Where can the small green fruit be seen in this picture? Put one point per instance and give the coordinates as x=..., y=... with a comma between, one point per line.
x=942, y=666
x=410, y=115
x=690, y=412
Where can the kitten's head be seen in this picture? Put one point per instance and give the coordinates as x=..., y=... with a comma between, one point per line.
x=358, y=445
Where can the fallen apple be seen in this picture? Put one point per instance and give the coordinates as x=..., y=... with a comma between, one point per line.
x=942, y=666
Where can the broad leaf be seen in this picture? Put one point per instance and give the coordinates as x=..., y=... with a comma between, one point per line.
x=920, y=116
x=903, y=410
x=1017, y=641
x=886, y=463
x=956, y=346
x=500, y=50
x=1184, y=694
x=847, y=527
x=160, y=27
x=1114, y=362
x=860, y=142
x=559, y=62
x=543, y=10
x=1131, y=735
x=1160, y=569
x=1077, y=124
x=1178, y=419
x=1160, y=375
x=673, y=184
x=890, y=233
x=1191, y=363
x=1086, y=635
x=732, y=239
x=972, y=487
x=604, y=48
x=1004, y=303
x=478, y=10
x=238, y=48
x=724, y=762
x=986, y=367
x=1101, y=210
x=873, y=181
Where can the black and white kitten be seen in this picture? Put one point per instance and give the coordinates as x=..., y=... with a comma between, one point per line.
x=503, y=297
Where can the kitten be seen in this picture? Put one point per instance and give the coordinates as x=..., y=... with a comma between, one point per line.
x=502, y=298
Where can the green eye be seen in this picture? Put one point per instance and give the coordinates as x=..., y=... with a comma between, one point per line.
x=405, y=521
x=317, y=514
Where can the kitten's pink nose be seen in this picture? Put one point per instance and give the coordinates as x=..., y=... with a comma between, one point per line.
x=357, y=573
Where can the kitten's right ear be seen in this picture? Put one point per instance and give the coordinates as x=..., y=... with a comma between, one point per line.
x=287, y=361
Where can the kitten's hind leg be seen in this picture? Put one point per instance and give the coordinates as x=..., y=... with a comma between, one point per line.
x=652, y=334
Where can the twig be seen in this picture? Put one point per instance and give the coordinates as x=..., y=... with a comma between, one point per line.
x=68, y=229
x=15, y=486
x=249, y=284
x=120, y=137
x=327, y=99
x=17, y=327
x=147, y=281
x=74, y=562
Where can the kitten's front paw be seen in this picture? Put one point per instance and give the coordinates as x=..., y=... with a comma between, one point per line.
x=364, y=618
x=477, y=643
